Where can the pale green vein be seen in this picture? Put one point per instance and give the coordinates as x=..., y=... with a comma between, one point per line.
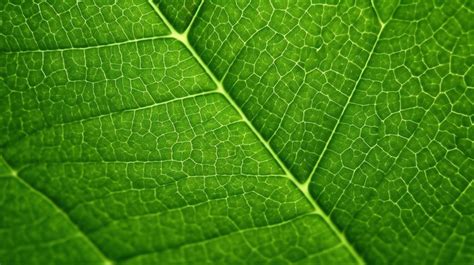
x=217, y=237
x=108, y=114
x=89, y=47
x=183, y=38
x=397, y=159
x=14, y=174
x=349, y=100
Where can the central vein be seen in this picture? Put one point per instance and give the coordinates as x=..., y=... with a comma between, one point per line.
x=303, y=187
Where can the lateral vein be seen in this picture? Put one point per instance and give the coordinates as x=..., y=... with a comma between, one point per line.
x=14, y=174
x=333, y=132
x=88, y=47
x=108, y=114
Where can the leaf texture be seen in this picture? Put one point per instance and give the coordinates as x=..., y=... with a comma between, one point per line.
x=236, y=132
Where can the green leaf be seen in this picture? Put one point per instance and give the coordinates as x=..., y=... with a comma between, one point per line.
x=236, y=132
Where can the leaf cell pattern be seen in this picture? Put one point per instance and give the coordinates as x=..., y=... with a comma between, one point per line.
x=236, y=132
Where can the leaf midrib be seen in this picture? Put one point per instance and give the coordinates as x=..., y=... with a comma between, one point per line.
x=302, y=187
x=183, y=38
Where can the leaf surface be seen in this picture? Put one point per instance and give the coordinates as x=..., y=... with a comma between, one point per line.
x=236, y=132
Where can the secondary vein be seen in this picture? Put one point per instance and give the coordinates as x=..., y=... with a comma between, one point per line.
x=349, y=100
x=82, y=234
x=88, y=47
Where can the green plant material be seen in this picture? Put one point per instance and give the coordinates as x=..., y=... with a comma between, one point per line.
x=236, y=132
